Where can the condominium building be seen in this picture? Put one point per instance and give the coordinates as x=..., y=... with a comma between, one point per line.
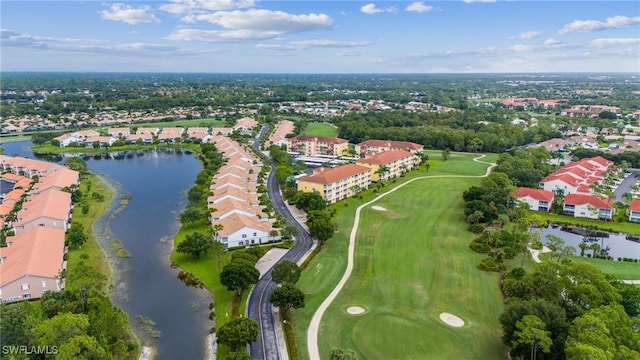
x=338, y=183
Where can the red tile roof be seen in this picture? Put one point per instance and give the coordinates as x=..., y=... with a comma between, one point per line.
x=385, y=157
x=538, y=194
x=329, y=176
x=564, y=178
x=236, y=222
x=635, y=205
x=579, y=199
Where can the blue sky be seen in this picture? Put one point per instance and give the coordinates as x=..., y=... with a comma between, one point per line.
x=330, y=36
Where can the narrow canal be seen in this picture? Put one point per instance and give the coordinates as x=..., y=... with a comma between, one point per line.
x=167, y=315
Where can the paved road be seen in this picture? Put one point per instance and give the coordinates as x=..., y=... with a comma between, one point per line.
x=258, y=306
x=625, y=187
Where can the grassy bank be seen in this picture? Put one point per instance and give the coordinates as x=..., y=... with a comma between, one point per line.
x=50, y=149
x=611, y=226
x=619, y=269
x=412, y=262
x=92, y=248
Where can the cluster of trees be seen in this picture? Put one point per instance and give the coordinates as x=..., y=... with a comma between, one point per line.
x=287, y=295
x=459, y=131
x=525, y=168
x=486, y=202
x=78, y=322
x=570, y=311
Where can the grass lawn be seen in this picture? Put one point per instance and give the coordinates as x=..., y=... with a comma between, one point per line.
x=611, y=226
x=50, y=149
x=321, y=129
x=96, y=208
x=620, y=269
x=412, y=262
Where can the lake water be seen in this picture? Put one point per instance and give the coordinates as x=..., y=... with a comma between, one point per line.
x=618, y=245
x=147, y=285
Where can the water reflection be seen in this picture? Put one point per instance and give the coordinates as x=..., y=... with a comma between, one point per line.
x=617, y=244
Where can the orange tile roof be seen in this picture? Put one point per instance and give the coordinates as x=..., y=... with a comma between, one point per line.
x=50, y=203
x=12, y=177
x=58, y=179
x=13, y=195
x=385, y=157
x=37, y=252
x=635, y=205
x=24, y=183
x=564, y=178
x=5, y=208
x=32, y=164
x=404, y=145
x=330, y=176
x=227, y=205
x=236, y=222
x=538, y=194
x=580, y=199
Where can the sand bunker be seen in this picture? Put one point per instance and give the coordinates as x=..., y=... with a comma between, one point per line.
x=355, y=310
x=379, y=208
x=451, y=320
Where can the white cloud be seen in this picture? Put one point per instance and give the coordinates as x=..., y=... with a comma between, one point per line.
x=419, y=6
x=179, y=7
x=521, y=48
x=349, y=53
x=605, y=42
x=306, y=44
x=220, y=35
x=551, y=42
x=526, y=35
x=129, y=14
x=370, y=9
x=614, y=22
x=478, y=1
x=266, y=20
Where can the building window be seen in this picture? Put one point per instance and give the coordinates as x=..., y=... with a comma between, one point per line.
x=25, y=286
x=241, y=243
x=244, y=236
x=44, y=284
x=26, y=295
x=255, y=234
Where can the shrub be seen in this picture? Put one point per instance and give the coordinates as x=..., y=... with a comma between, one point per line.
x=478, y=246
x=490, y=264
x=476, y=228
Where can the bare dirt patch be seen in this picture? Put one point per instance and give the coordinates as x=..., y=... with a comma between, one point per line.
x=355, y=310
x=451, y=320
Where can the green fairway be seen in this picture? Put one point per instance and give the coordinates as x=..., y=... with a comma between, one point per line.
x=412, y=263
x=321, y=129
x=619, y=269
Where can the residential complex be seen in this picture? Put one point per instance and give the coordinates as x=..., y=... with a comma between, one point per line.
x=34, y=257
x=577, y=177
x=536, y=199
x=389, y=164
x=237, y=218
x=337, y=183
x=308, y=145
x=588, y=206
x=372, y=146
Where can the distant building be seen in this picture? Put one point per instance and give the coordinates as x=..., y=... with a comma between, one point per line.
x=375, y=146
x=308, y=145
x=396, y=162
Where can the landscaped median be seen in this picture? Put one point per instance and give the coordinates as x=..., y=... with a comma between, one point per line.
x=412, y=264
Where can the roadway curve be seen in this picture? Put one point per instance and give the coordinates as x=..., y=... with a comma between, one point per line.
x=314, y=325
x=258, y=306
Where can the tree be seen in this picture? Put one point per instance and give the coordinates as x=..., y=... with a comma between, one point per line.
x=195, y=244
x=320, y=226
x=76, y=236
x=531, y=331
x=191, y=214
x=474, y=144
x=238, y=356
x=286, y=271
x=382, y=171
x=238, y=332
x=341, y=354
x=286, y=297
x=218, y=250
x=446, y=153
x=238, y=274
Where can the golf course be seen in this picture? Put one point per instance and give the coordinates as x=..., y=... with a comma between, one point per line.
x=411, y=263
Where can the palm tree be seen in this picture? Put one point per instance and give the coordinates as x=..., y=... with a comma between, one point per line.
x=217, y=228
x=403, y=169
x=382, y=170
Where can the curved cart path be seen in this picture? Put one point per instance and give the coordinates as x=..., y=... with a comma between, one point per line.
x=314, y=326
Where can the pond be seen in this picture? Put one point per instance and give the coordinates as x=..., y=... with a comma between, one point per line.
x=618, y=244
x=146, y=286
